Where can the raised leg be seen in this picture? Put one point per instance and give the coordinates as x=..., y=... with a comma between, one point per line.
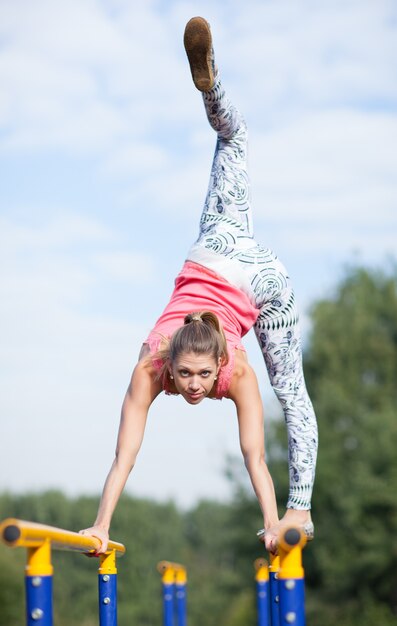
x=228, y=197
x=227, y=211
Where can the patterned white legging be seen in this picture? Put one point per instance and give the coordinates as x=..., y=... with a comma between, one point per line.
x=226, y=230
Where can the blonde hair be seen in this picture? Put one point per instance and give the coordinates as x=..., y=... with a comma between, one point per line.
x=201, y=333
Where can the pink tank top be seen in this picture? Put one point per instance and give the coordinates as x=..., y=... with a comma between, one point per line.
x=198, y=288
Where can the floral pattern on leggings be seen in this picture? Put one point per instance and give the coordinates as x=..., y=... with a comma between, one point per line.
x=226, y=229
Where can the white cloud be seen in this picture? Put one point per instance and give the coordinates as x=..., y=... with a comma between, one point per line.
x=327, y=166
x=138, y=158
x=126, y=266
x=312, y=54
x=63, y=230
x=51, y=273
x=78, y=77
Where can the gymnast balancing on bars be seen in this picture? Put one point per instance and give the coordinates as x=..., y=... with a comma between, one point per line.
x=228, y=284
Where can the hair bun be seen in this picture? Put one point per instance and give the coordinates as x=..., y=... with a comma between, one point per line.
x=193, y=317
x=207, y=337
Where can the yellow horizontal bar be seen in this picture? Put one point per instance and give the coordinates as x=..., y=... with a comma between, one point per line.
x=258, y=563
x=261, y=570
x=19, y=533
x=163, y=565
x=180, y=576
x=172, y=572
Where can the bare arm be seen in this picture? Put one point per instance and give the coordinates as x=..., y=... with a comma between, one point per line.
x=142, y=390
x=244, y=391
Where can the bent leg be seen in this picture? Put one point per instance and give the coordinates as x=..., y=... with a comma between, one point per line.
x=278, y=335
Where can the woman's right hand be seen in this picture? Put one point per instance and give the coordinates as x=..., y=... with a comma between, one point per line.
x=99, y=533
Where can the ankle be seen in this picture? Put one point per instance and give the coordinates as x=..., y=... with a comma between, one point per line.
x=294, y=515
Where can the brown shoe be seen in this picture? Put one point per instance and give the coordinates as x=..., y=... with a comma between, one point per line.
x=198, y=46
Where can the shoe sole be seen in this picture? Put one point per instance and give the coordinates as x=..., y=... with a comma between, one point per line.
x=198, y=45
x=308, y=529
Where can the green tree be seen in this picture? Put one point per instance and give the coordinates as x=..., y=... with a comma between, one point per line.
x=11, y=587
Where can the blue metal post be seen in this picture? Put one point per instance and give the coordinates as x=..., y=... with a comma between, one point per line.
x=292, y=602
x=38, y=586
x=291, y=578
x=107, y=590
x=274, y=590
x=180, y=592
x=262, y=592
x=107, y=596
x=168, y=603
x=38, y=600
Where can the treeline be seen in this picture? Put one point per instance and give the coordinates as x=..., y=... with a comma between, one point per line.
x=351, y=567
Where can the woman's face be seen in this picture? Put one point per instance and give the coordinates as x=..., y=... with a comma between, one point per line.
x=194, y=375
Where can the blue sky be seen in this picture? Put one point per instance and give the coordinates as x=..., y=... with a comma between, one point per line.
x=104, y=160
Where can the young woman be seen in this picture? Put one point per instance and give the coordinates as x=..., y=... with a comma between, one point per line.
x=228, y=284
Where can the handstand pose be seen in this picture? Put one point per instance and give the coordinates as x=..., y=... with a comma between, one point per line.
x=228, y=284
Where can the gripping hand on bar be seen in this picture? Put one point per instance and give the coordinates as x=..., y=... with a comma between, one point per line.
x=99, y=533
x=271, y=536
